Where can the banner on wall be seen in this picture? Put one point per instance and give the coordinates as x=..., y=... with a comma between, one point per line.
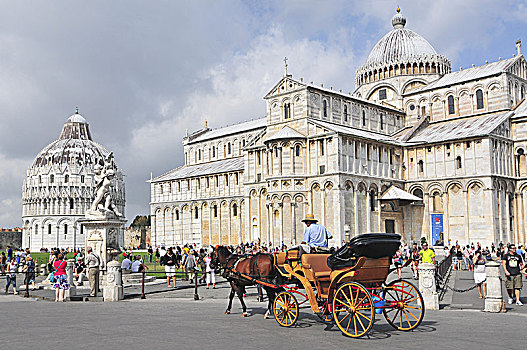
x=437, y=228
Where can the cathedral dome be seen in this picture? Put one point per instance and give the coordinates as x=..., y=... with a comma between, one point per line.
x=400, y=44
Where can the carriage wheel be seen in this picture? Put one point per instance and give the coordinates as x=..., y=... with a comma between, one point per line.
x=353, y=309
x=285, y=309
x=404, y=308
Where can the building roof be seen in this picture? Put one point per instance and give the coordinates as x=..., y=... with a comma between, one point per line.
x=473, y=73
x=400, y=44
x=460, y=128
x=395, y=193
x=231, y=129
x=220, y=166
x=286, y=133
x=348, y=130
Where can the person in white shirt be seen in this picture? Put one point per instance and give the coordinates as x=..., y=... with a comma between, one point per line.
x=126, y=264
x=137, y=265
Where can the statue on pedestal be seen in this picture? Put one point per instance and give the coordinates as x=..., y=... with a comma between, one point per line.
x=103, y=205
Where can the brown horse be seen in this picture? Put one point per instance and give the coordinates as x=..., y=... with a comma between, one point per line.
x=259, y=266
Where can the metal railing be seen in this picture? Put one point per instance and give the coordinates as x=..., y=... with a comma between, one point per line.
x=442, y=274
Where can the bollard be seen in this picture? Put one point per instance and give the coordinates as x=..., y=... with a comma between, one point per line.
x=427, y=286
x=196, y=296
x=43, y=270
x=143, y=296
x=26, y=294
x=72, y=290
x=494, y=300
x=113, y=289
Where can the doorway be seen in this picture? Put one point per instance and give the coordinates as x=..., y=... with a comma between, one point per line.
x=389, y=225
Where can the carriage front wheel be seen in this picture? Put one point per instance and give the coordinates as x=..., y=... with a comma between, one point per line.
x=404, y=307
x=353, y=309
x=285, y=309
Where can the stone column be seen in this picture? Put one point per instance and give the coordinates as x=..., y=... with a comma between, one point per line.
x=113, y=289
x=368, y=211
x=355, y=212
x=72, y=291
x=293, y=220
x=494, y=300
x=427, y=286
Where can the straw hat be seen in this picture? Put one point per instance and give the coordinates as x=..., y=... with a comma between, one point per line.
x=310, y=217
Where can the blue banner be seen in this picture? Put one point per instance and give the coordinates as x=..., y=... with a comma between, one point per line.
x=437, y=228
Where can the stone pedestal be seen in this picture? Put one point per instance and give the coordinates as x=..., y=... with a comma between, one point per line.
x=427, y=286
x=103, y=235
x=72, y=291
x=113, y=288
x=494, y=300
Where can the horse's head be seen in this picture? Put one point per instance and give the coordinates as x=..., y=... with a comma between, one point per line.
x=219, y=256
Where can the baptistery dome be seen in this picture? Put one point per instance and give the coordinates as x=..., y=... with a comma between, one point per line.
x=59, y=187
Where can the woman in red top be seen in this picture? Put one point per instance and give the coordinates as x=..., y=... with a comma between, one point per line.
x=61, y=279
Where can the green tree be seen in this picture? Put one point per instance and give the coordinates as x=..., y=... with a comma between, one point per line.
x=141, y=221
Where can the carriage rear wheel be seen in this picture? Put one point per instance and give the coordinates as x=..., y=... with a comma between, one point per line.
x=353, y=309
x=404, y=308
x=285, y=309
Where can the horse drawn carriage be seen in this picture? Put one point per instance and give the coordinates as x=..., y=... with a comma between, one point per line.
x=347, y=287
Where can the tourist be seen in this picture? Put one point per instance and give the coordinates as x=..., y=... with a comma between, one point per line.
x=170, y=262
x=191, y=265
x=150, y=253
x=3, y=263
x=93, y=262
x=137, y=265
x=61, y=280
x=158, y=255
x=9, y=252
x=80, y=271
x=11, y=275
x=398, y=262
x=512, y=265
x=459, y=257
x=51, y=261
x=480, y=275
x=414, y=255
x=427, y=255
x=209, y=271
x=30, y=268
x=126, y=264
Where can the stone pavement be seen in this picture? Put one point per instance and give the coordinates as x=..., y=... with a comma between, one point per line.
x=183, y=323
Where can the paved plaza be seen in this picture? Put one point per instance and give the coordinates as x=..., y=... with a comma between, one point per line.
x=172, y=318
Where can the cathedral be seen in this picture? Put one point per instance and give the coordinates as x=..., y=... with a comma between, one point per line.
x=416, y=149
x=60, y=186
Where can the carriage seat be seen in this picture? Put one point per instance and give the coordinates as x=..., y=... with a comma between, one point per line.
x=318, y=265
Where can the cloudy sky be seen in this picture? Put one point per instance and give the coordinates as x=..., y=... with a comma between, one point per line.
x=142, y=72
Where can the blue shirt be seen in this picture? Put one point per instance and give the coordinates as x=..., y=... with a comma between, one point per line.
x=316, y=236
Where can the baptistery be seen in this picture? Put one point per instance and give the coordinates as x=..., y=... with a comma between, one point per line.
x=60, y=187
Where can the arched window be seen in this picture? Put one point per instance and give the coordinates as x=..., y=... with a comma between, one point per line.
x=66, y=178
x=243, y=142
x=236, y=178
x=217, y=181
x=381, y=120
x=345, y=113
x=82, y=179
x=297, y=150
x=287, y=110
x=49, y=229
x=479, y=99
x=373, y=199
x=451, y=107
x=418, y=193
x=420, y=166
x=199, y=154
x=324, y=109
x=229, y=148
x=196, y=213
x=36, y=229
x=215, y=209
x=522, y=92
x=40, y=179
x=363, y=118
x=71, y=203
x=214, y=151
x=458, y=162
x=65, y=229
x=52, y=178
x=234, y=210
x=227, y=179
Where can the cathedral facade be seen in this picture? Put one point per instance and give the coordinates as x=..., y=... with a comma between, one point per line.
x=416, y=149
x=60, y=186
